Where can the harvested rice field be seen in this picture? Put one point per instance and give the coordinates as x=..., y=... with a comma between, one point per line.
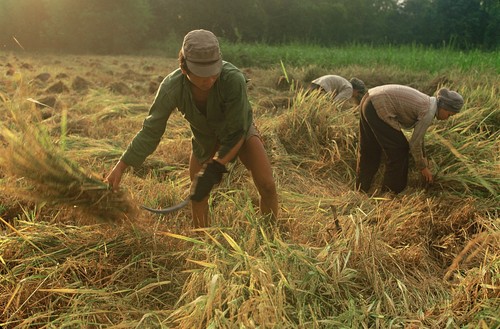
x=74, y=254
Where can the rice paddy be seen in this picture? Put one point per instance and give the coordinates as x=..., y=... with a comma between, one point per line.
x=73, y=254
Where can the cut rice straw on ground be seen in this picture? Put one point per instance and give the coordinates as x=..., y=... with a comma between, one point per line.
x=472, y=171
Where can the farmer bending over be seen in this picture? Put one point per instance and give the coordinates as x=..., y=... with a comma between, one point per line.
x=211, y=95
x=339, y=88
x=387, y=109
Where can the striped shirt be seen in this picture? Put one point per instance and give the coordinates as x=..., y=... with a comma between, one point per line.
x=336, y=85
x=403, y=107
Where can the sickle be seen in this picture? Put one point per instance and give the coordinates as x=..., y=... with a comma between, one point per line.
x=169, y=209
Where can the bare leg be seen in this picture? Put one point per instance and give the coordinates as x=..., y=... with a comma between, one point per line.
x=253, y=155
x=199, y=210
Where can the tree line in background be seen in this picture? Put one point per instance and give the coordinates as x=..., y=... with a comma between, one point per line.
x=126, y=26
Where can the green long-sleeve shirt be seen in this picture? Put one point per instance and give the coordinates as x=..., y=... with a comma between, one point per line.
x=228, y=116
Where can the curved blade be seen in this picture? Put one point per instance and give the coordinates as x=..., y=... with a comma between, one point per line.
x=169, y=209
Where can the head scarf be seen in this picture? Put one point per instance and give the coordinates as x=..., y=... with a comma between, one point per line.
x=449, y=100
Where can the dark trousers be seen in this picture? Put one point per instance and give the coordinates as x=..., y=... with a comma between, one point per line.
x=375, y=137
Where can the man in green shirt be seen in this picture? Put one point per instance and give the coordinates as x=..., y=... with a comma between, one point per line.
x=211, y=94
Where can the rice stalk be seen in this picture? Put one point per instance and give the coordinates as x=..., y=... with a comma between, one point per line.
x=383, y=269
x=44, y=174
x=471, y=250
x=84, y=274
x=473, y=176
x=304, y=130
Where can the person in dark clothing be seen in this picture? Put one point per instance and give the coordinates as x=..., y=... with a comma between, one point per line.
x=384, y=111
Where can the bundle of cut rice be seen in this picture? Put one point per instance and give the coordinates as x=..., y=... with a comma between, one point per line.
x=35, y=169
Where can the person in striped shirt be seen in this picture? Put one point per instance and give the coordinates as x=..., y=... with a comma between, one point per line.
x=339, y=88
x=386, y=110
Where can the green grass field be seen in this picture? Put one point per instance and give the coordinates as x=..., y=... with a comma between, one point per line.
x=75, y=255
